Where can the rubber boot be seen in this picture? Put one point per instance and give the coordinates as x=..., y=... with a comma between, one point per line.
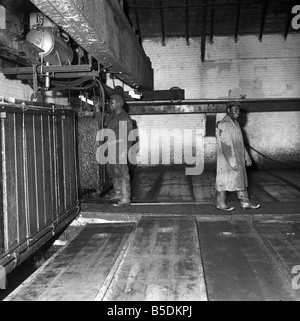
x=126, y=193
x=221, y=202
x=117, y=190
x=245, y=200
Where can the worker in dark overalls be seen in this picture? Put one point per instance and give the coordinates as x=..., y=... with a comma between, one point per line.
x=232, y=159
x=117, y=166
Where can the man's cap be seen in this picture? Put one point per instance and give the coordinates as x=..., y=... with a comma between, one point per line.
x=233, y=103
x=118, y=98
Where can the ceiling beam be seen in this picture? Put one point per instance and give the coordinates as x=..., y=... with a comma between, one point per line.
x=212, y=23
x=187, y=27
x=237, y=25
x=289, y=20
x=102, y=29
x=162, y=24
x=203, y=30
x=262, y=27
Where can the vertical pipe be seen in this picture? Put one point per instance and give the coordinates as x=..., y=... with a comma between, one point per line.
x=56, y=165
x=62, y=119
x=52, y=175
x=35, y=174
x=16, y=178
x=43, y=169
x=26, y=198
x=75, y=157
x=262, y=27
x=4, y=182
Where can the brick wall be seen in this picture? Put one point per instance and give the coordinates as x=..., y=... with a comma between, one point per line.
x=169, y=139
x=249, y=67
x=14, y=89
x=266, y=69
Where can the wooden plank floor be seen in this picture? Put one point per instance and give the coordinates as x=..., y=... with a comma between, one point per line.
x=161, y=260
x=163, y=263
x=240, y=266
x=78, y=271
x=172, y=259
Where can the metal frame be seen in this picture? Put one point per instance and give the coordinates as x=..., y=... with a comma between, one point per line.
x=212, y=106
x=31, y=182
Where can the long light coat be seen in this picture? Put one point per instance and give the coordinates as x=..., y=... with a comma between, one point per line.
x=231, y=152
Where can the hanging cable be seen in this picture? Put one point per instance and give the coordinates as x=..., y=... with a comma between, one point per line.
x=269, y=158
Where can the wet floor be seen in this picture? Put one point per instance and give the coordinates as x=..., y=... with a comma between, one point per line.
x=172, y=244
x=172, y=259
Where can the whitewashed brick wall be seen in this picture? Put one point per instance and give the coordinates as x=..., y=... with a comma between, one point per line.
x=266, y=69
x=168, y=139
x=14, y=89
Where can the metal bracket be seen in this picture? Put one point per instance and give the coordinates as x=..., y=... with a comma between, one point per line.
x=16, y=259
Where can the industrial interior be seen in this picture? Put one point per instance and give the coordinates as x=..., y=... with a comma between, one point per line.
x=176, y=65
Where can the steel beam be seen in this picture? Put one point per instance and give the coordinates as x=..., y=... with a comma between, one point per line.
x=212, y=106
x=56, y=69
x=102, y=29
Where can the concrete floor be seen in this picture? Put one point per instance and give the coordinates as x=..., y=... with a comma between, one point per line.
x=172, y=244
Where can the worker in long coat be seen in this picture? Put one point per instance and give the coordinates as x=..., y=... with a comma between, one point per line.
x=232, y=159
x=119, y=145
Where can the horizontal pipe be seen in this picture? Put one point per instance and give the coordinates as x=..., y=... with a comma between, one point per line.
x=28, y=70
x=27, y=109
